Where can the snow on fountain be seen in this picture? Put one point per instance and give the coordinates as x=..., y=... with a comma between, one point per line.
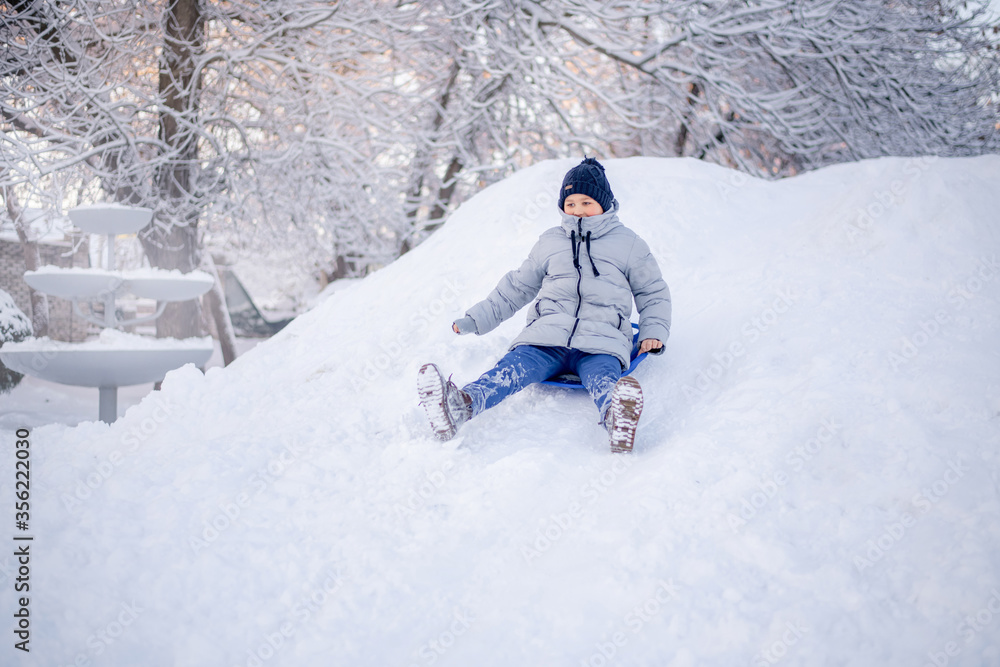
x=116, y=358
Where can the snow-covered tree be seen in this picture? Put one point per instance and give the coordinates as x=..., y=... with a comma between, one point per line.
x=346, y=131
x=32, y=258
x=772, y=86
x=82, y=117
x=231, y=116
x=810, y=82
x=14, y=327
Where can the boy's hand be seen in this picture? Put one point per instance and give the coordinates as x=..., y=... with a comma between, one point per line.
x=651, y=345
x=465, y=325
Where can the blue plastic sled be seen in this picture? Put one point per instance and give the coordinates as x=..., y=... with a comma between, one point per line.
x=572, y=380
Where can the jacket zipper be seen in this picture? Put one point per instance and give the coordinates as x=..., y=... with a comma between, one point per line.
x=579, y=293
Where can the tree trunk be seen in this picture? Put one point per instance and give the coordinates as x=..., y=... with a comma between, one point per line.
x=436, y=218
x=693, y=93
x=423, y=159
x=171, y=241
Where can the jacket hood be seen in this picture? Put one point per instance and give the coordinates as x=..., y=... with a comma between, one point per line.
x=597, y=225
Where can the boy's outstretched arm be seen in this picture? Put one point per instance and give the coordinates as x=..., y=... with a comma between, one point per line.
x=514, y=291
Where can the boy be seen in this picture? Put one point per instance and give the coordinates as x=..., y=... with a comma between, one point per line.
x=585, y=274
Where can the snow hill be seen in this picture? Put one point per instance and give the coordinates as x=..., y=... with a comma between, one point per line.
x=815, y=480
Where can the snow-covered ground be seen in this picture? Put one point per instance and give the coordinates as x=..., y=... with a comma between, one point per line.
x=815, y=479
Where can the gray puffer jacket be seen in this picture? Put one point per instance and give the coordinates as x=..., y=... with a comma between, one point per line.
x=585, y=274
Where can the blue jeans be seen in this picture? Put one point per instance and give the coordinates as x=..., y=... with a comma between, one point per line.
x=527, y=364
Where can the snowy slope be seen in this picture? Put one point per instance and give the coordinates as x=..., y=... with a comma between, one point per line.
x=815, y=479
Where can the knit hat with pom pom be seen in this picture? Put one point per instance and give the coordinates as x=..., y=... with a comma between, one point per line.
x=587, y=178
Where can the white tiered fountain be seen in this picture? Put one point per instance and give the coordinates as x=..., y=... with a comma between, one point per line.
x=116, y=359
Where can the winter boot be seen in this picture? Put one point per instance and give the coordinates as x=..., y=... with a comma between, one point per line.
x=623, y=415
x=447, y=406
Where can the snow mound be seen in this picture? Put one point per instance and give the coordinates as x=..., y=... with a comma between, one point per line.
x=815, y=479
